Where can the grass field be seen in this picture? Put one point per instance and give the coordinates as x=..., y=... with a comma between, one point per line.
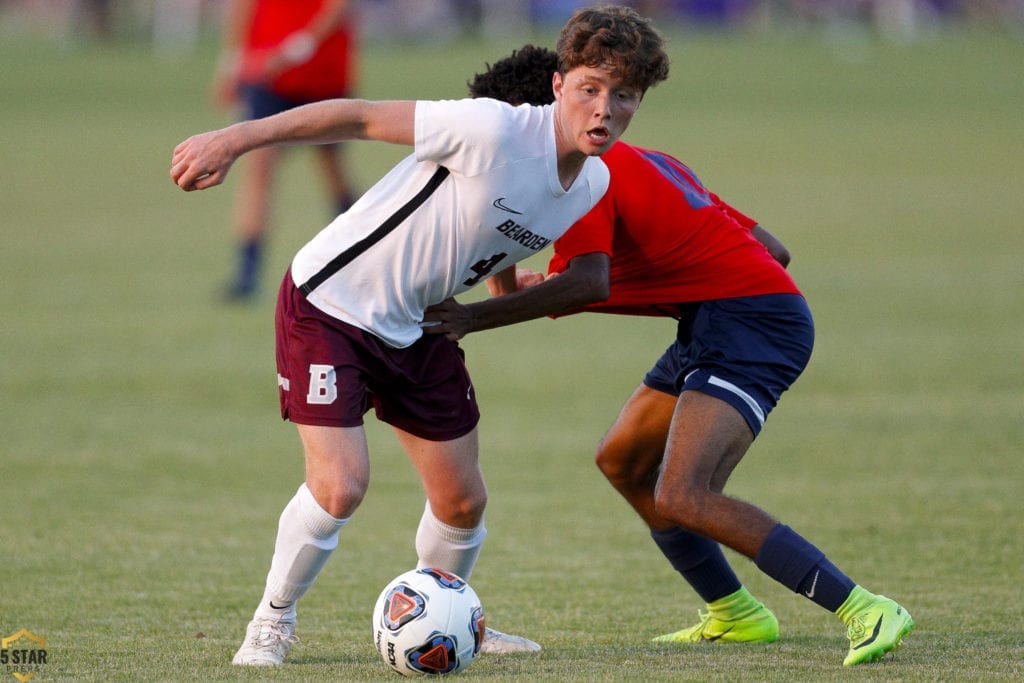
x=143, y=467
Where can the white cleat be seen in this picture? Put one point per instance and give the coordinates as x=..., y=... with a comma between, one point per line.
x=266, y=643
x=498, y=643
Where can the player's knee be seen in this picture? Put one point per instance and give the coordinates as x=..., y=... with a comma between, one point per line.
x=606, y=462
x=679, y=503
x=471, y=508
x=340, y=498
x=618, y=466
x=615, y=472
x=464, y=511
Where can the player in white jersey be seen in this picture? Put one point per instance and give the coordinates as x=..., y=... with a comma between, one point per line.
x=488, y=185
x=494, y=198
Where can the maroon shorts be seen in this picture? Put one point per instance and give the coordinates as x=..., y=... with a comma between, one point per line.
x=330, y=373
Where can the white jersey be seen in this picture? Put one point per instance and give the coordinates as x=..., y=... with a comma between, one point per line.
x=480, y=193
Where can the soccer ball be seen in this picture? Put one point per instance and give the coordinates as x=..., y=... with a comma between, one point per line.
x=428, y=621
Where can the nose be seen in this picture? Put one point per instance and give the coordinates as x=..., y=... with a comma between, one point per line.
x=602, y=107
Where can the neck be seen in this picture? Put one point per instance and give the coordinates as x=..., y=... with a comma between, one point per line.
x=570, y=159
x=569, y=168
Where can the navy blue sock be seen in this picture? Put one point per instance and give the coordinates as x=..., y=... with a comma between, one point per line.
x=344, y=203
x=790, y=559
x=700, y=560
x=250, y=253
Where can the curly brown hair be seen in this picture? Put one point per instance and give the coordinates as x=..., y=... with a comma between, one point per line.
x=617, y=38
x=524, y=77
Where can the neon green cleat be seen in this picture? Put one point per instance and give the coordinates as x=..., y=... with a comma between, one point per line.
x=877, y=629
x=760, y=626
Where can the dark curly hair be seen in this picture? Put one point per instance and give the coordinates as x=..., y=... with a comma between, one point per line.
x=617, y=38
x=522, y=78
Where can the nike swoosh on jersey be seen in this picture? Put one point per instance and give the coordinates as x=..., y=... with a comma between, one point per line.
x=499, y=203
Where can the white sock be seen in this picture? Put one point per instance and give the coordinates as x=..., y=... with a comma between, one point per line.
x=306, y=537
x=447, y=547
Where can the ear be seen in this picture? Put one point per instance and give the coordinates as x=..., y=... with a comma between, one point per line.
x=556, y=85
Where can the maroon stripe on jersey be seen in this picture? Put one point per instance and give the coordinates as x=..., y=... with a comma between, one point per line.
x=393, y=221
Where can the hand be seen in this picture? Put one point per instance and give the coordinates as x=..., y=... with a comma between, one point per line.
x=449, y=318
x=527, y=278
x=298, y=48
x=203, y=160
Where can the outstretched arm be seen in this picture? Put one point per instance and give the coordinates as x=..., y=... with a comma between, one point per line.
x=586, y=280
x=227, y=77
x=203, y=160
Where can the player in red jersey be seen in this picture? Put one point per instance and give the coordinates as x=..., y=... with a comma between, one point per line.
x=659, y=243
x=277, y=55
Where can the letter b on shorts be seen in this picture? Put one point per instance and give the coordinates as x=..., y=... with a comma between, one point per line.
x=323, y=385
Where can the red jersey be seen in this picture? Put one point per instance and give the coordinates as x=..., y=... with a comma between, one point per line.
x=670, y=240
x=328, y=73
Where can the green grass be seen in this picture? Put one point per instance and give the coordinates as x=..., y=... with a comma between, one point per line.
x=143, y=466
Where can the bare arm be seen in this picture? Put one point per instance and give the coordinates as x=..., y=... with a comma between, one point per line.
x=512, y=279
x=775, y=246
x=203, y=160
x=586, y=280
x=502, y=282
x=238, y=17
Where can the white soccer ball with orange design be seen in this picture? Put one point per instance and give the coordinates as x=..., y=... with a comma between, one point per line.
x=428, y=621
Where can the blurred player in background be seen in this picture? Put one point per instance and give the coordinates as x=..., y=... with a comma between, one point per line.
x=276, y=55
x=659, y=243
x=487, y=186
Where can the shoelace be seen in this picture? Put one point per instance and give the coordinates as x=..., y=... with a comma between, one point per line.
x=491, y=635
x=268, y=633
x=856, y=629
x=697, y=633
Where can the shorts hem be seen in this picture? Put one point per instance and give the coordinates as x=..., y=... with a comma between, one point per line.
x=433, y=434
x=704, y=382
x=322, y=421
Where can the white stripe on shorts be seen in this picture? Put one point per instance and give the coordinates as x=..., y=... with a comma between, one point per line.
x=747, y=398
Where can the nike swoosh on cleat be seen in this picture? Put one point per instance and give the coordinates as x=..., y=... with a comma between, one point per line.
x=499, y=203
x=874, y=634
x=711, y=639
x=284, y=606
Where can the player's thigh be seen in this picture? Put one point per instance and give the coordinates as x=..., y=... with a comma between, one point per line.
x=252, y=203
x=451, y=476
x=706, y=441
x=635, y=443
x=337, y=466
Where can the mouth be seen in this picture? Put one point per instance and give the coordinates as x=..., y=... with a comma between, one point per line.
x=599, y=136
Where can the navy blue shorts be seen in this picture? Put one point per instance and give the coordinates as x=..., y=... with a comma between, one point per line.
x=744, y=351
x=330, y=373
x=261, y=101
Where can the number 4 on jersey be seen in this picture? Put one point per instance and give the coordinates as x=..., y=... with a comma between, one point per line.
x=483, y=268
